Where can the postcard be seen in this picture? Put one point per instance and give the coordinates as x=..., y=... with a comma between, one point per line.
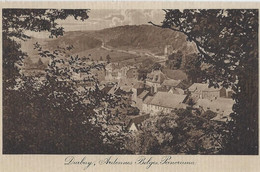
x=130, y=86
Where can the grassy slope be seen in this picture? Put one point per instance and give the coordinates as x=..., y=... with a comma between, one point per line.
x=146, y=37
x=142, y=38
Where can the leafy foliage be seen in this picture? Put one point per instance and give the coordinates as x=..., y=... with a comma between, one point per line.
x=108, y=58
x=174, y=60
x=180, y=132
x=146, y=67
x=192, y=67
x=227, y=40
x=54, y=113
x=17, y=21
x=133, y=111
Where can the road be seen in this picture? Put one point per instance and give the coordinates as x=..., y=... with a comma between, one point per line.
x=133, y=52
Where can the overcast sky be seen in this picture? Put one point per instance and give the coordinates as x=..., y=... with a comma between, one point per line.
x=104, y=18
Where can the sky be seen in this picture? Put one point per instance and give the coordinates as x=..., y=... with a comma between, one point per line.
x=105, y=18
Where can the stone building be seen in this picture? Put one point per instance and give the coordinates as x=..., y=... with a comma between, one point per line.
x=163, y=102
x=168, y=50
x=202, y=91
x=155, y=80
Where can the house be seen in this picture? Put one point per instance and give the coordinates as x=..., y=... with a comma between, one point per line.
x=230, y=93
x=127, y=83
x=99, y=74
x=140, y=98
x=111, y=71
x=132, y=73
x=110, y=89
x=222, y=106
x=140, y=92
x=136, y=122
x=177, y=91
x=184, y=84
x=169, y=84
x=137, y=89
x=201, y=90
x=115, y=71
x=146, y=106
x=175, y=74
x=155, y=79
x=163, y=102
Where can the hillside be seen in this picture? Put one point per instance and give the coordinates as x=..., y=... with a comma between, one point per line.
x=141, y=39
x=132, y=37
x=146, y=37
x=81, y=40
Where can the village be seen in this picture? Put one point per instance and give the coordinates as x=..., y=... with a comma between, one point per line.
x=130, y=81
x=159, y=93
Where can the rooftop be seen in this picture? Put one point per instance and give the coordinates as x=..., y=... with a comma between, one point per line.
x=176, y=91
x=175, y=74
x=106, y=89
x=148, y=99
x=171, y=82
x=156, y=76
x=137, y=120
x=167, y=100
x=139, y=85
x=222, y=104
x=143, y=94
x=202, y=87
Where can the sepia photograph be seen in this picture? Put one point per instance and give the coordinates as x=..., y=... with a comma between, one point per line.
x=130, y=81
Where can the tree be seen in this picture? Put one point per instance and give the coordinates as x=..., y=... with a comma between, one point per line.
x=192, y=67
x=191, y=102
x=227, y=40
x=51, y=115
x=179, y=132
x=40, y=64
x=174, y=60
x=47, y=125
x=146, y=67
x=108, y=58
x=16, y=21
x=62, y=116
x=133, y=111
x=157, y=66
x=27, y=62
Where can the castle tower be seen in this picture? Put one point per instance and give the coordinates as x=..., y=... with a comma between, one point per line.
x=168, y=50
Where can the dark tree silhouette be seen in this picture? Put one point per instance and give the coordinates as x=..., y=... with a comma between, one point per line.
x=108, y=58
x=157, y=66
x=16, y=21
x=175, y=60
x=192, y=67
x=51, y=114
x=179, y=132
x=227, y=40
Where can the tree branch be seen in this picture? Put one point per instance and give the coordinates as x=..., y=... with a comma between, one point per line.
x=188, y=35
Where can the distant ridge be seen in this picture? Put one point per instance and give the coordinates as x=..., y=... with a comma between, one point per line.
x=129, y=37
